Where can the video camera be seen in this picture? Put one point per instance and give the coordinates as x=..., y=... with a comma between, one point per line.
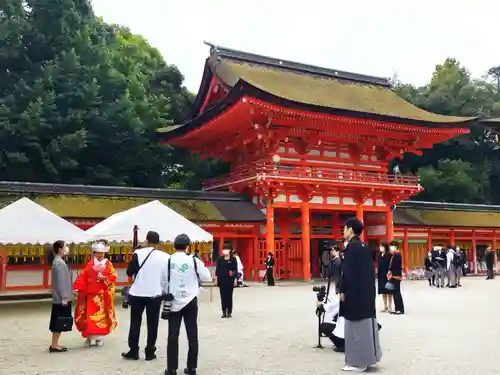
x=320, y=292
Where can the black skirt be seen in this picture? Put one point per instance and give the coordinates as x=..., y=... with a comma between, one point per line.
x=382, y=280
x=59, y=311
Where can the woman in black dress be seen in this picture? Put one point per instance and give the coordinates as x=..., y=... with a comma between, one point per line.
x=225, y=272
x=62, y=290
x=269, y=269
x=383, y=267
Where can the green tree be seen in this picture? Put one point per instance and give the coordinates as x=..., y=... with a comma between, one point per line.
x=455, y=181
x=80, y=100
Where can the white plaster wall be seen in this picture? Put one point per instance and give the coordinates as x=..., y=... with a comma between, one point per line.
x=24, y=278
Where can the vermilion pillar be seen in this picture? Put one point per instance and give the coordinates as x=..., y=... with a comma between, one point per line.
x=359, y=216
x=3, y=268
x=406, y=255
x=494, y=245
x=336, y=225
x=474, y=254
x=306, y=241
x=269, y=227
x=389, y=226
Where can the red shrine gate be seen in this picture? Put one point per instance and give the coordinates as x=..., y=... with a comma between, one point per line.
x=311, y=146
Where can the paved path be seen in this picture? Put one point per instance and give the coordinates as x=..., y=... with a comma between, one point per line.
x=273, y=332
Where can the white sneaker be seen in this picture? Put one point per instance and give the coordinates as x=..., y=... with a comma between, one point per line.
x=354, y=369
x=99, y=342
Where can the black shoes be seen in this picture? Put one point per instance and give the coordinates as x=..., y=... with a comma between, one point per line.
x=338, y=350
x=150, y=354
x=186, y=371
x=57, y=350
x=226, y=314
x=131, y=356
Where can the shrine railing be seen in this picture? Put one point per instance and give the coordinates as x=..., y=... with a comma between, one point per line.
x=301, y=174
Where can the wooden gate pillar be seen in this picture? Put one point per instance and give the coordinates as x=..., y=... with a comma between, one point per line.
x=306, y=240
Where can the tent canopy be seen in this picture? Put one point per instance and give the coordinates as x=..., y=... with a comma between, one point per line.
x=152, y=216
x=25, y=222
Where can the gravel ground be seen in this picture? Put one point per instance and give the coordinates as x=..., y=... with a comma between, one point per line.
x=273, y=331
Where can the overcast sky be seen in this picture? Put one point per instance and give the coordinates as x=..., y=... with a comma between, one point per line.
x=383, y=37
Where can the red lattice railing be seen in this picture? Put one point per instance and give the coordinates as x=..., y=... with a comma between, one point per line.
x=301, y=174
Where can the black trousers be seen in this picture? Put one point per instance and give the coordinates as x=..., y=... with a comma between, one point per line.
x=137, y=307
x=269, y=276
x=226, y=297
x=432, y=280
x=190, y=315
x=396, y=295
x=327, y=330
x=490, y=273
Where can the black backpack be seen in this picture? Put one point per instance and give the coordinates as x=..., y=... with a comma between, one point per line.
x=457, y=260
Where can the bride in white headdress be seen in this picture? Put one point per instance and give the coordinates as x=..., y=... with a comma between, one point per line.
x=95, y=303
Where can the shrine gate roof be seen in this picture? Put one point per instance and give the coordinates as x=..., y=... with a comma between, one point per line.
x=98, y=202
x=304, y=87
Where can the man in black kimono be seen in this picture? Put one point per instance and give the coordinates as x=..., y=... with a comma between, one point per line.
x=357, y=306
x=490, y=260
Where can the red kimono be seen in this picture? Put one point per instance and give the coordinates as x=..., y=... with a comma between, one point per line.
x=95, y=303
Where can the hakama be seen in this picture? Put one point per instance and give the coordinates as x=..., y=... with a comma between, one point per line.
x=362, y=346
x=452, y=275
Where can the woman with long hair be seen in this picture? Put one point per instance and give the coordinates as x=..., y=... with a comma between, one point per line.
x=95, y=304
x=61, y=294
x=384, y=258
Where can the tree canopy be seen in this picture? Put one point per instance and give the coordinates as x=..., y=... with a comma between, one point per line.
x=464, y=169
x=75, y=90
x=80, y=101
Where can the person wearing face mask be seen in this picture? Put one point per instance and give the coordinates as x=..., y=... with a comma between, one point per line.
x=382, y=269
x=225, y=272
x=61, y=293
x=269, y=263
x=439, y=259
x=394, y=276
x=430, y=271
x=95, y=304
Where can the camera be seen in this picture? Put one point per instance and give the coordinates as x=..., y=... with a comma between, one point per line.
x=125, y=295
x=167, y=306
x=320, y=292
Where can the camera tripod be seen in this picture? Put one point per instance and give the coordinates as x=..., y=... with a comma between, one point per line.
x=320, y=313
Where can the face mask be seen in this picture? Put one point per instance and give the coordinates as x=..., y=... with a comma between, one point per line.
x=393, y=249
x=225, y=252
x=381, y=249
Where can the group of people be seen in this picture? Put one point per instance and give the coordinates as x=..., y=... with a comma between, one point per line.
x=350, y=319
x=389, y=276
x=95, y=294
x=445, y=266
x=157, y=278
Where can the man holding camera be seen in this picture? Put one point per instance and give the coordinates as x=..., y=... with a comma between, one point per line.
x=357, y=302
x=184, y=275
x=148, y=266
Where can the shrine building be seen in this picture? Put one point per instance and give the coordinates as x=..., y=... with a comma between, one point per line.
x=308, y=148
x=310, y=145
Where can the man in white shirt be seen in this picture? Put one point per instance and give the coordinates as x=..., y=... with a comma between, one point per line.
x=185, y=273
x=148, y=266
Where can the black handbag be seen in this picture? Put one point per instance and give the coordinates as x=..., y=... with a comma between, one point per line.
x=64, y=324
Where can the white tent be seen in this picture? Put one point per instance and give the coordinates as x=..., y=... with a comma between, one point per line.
x=25, y=222
x=153, y=216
